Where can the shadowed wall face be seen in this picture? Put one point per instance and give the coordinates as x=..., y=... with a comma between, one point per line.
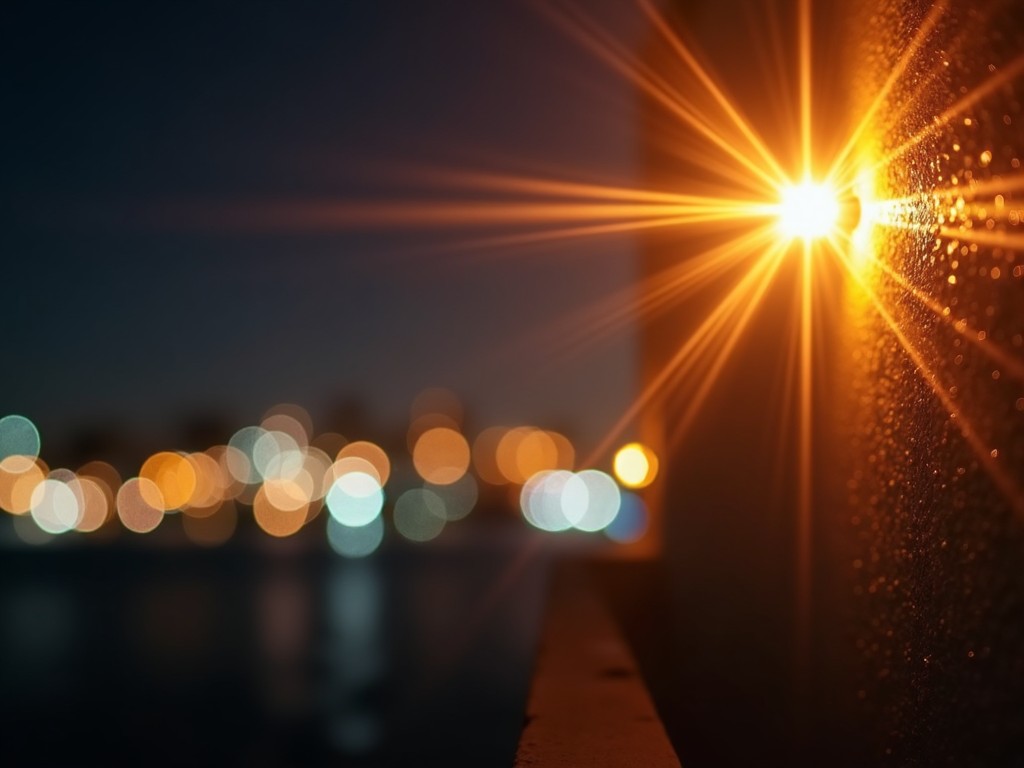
x=904, y=648
x=937, y=424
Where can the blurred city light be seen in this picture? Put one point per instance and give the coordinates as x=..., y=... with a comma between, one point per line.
x=285, y=473
x=458, y=498
x=631, y=523
x=419, y=515
x=635, y=465
x=18, y=437
x=280, y=521
x=371, y=453
x=173, y=475
x=355, y=498
x=558, y=500
x=140, y=506
x=441, y=455
x=355, y=541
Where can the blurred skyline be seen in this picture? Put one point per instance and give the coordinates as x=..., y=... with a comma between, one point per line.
x=122, y=313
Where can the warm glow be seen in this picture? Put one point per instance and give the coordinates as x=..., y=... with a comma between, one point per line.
x=635, y=465
x=441, y=456
x=808, y=210
x=277, y=521
x=371, y=453
x=173, y=475
x=140, y=505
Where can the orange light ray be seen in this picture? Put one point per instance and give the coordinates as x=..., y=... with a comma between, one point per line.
x=593, y=230
x=722, y=167
x=653, y=294
x=984, y=237
x=684, y=358
x=1011, y=365
x=712, y=88
x=805, y=85
x=898, y=71
x=655, y=87
x=560, y=188
x=1003, y=479
x=975, y=189
x=998, y=80
x=326, y=215
x=805, y=469
x=773, y=257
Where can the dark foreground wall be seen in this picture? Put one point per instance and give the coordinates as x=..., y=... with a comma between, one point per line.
x=913, y=653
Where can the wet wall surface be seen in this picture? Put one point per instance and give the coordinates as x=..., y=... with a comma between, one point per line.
x=263, y=658
x=937, y=436
x=912, y=648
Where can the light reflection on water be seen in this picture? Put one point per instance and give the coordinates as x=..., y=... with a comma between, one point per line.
x=268, y=659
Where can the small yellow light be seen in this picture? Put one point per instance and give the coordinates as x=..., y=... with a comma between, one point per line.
x=635, y=465
x=808, y=210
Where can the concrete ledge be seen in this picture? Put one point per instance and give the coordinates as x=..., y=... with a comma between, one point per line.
x=588, y=703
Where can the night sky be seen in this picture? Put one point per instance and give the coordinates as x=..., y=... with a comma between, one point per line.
x=122, y=311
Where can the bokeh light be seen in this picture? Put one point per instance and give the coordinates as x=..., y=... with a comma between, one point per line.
x=316, y=464
x=372, y=453
x=173, y=475
x=557, y=500
x=94, y=504
x=289, y=494
x=441, y=456
x=458, y=498
x=355, y=541
x=541, y=500
x=277, y=521
x=18, y=437
x=347, y=465
x=523, y=452
x=631, y=523
x=55, y=507
x=107, y=477
x=507, y=456
x=19, y=476
x=597, y=506
x=355, y=498
x=140, y=505
x=292, y=419
x=28, y=532
x=635, y=465
x=241, y=462
x=211, y=485
x=287, y=474
x=485, y=455
x=535, y=452
x=419, y=515
x=276, y=455
x=433, y=408
x=233, y=466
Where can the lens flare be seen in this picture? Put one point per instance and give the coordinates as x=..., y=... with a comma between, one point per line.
x=809, y=210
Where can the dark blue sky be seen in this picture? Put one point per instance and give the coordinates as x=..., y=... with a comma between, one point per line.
x=118, y=312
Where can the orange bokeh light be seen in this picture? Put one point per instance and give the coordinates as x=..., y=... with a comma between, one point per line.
x=173, y=475
x=275, y=520
x=441, y=456
x=635, y=465
x=19, y=475
x=372, y=453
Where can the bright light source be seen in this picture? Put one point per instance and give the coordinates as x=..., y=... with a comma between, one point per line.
x=635, y=465
x=808, y=210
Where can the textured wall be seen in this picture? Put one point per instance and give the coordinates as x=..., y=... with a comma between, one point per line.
x=936, y=457
x=914, y=650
